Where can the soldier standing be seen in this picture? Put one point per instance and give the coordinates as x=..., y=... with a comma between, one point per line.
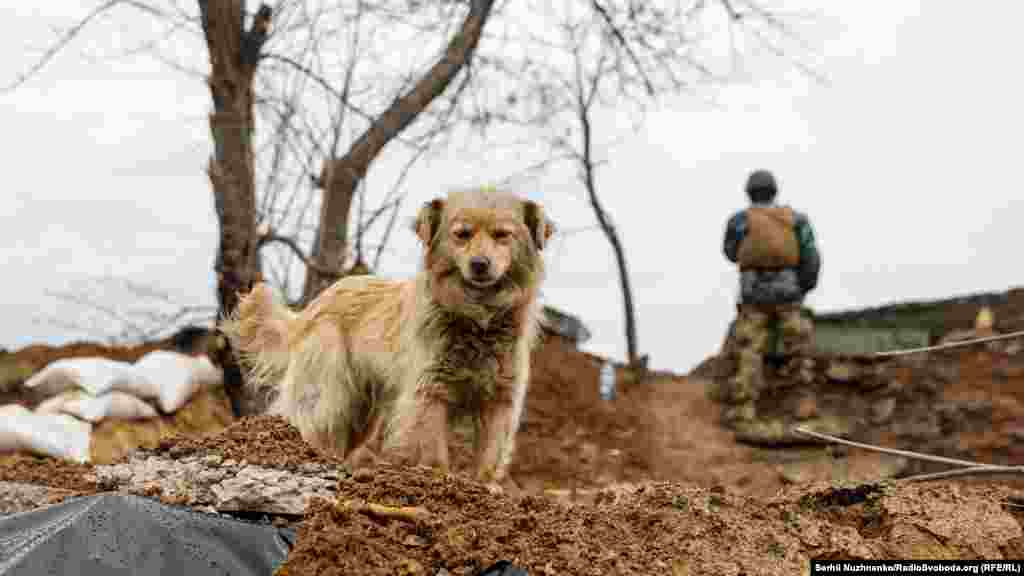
x=779, y=263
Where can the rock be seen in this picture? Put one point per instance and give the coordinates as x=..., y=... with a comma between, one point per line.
x=16, y=497
x=195, y=481
x=882, y=410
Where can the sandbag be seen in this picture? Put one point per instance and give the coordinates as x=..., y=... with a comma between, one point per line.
x=56, y=435
x=113, y=404
x=10, y=440
x=92, y=374
x=54, y=404
x=177, y=376
x=770, y=240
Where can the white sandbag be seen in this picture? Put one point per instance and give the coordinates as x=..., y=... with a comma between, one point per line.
x=115, y=404
x=54, y=404
x=95, y=409
x=94, y=375
x=56, y=435
x=10, y=440
x=179, y=376
x=135, y=383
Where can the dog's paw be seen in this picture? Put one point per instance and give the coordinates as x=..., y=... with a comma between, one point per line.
x=495, y=488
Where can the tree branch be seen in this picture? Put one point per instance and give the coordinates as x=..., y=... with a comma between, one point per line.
x=271, y=238
x=648, y=85
x=63, y=41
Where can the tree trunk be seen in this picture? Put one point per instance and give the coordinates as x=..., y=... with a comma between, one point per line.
x=608, y=228
x=341, y=176
x=234, y=54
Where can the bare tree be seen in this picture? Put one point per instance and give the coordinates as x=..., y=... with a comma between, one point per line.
x=586, y=85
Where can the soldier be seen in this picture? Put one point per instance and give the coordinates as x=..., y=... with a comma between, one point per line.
x=779, y=263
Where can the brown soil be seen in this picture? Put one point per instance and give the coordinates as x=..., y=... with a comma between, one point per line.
x=31, y=469
x=663, y=528
x=260, y=440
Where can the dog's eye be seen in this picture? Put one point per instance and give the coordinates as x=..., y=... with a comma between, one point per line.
x=463, y=234
x=501, y=234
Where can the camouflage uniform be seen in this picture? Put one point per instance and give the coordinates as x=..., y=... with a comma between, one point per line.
x=770, y=300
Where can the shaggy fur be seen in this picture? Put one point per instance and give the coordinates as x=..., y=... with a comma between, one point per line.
x=373, y=364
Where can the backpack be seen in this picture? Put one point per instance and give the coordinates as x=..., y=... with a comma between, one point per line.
x=770, y=240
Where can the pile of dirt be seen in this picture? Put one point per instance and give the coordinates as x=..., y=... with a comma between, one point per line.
x=267, y=441
x=416, y=521
x=569, y=435
x=45, y=471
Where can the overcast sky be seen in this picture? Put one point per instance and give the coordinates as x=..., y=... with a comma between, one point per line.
x=906, y=164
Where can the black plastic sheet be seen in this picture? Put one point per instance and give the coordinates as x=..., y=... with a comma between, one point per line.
x=503, y=568
x=114, y=534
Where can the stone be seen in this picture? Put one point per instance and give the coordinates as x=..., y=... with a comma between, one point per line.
x=249, y=488
x=882, y=410
x=17, y=497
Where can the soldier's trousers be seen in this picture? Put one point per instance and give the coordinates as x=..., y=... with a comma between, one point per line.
x=752, y=335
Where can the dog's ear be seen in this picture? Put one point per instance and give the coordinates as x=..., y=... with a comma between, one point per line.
x=428, y=220
x=539, y=226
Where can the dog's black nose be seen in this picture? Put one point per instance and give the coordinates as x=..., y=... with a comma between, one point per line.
x=479, y=265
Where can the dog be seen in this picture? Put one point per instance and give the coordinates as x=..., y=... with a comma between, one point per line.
x=374, y=365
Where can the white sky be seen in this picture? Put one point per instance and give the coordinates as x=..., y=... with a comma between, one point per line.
x=905, y=164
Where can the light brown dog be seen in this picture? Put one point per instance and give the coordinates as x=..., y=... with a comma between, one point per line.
x=373, y=364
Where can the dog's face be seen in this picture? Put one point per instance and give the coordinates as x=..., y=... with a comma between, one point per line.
x=490, y=241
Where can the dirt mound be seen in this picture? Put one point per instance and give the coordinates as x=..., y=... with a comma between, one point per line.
x=569, y=434
x=44, y=471
x=416, y=521
x=267, y=441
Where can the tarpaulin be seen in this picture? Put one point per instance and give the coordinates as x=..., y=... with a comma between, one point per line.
x=119, y=534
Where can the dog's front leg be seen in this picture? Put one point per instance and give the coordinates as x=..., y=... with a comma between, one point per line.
x=369, y=446
x=433, y=434
x=495, y=432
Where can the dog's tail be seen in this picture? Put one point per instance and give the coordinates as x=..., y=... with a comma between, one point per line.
x=259, y=331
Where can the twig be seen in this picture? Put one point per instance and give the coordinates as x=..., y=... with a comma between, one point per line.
x=893, y=451
x=952, y=344
x=617, y=34
x=290, y=242
x=403, y=513
x=986, y=470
